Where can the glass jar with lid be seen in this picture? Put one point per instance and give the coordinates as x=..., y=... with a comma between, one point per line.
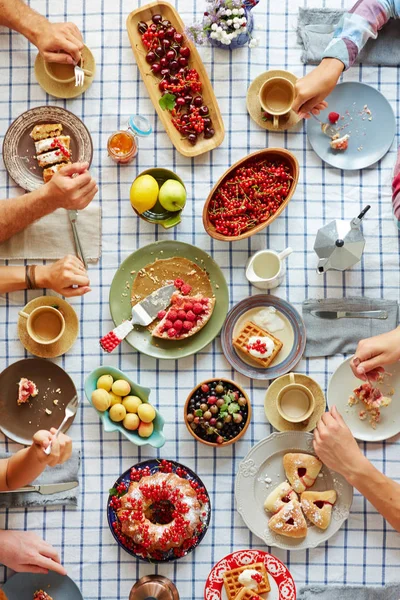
x=122, y=145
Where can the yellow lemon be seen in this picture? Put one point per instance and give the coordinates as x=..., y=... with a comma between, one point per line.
x=144, y=193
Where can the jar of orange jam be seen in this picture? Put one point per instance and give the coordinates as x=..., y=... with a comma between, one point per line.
x=122, y=145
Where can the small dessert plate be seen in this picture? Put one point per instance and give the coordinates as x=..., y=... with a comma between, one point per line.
x=371, y=135
x=340, y=388
x=254, y=107
x=281, y=581
x=275, y=418
x=293, y=337
x=262, y=470
x=22, y=586
x=68, y=338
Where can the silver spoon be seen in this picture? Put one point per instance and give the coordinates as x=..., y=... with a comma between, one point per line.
x=327, y=129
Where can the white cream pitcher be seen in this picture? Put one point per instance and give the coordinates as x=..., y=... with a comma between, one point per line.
x=265, y=269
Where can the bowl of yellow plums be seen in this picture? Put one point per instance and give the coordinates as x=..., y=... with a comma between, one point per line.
x=124, y=406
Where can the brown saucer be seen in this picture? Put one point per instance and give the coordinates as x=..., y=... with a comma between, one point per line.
x=65, y=90
x=274, y=417
x=64, y=343
x=20, y=422
x=254, y=106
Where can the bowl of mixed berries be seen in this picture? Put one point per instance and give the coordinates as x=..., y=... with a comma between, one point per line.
x=217, y=412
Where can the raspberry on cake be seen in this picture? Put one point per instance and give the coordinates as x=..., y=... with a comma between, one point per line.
x=41, y=595
x=26, y=390
x=187, y=315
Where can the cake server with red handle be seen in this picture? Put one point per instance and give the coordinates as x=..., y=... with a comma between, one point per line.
x=143, y=313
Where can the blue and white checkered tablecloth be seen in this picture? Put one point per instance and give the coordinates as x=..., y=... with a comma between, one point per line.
x=366, y=550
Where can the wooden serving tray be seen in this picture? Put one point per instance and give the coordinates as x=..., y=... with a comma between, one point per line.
x=151, y=80
x=270, y=154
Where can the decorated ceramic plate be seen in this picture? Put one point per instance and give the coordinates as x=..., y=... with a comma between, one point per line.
x=56, y=389
x=366, y=116
x=22, y=586
x=121, y=289
x=262, y=471
x=340, y=388
x=140, y=472
x=292, y=334
x=280, y=579
x=19, y=148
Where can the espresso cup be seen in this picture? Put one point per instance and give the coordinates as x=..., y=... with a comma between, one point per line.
x=63, y=73
x=295, y=402
x=276, y=97
x=45, y=324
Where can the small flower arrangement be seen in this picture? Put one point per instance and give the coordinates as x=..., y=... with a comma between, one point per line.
x=226, y=23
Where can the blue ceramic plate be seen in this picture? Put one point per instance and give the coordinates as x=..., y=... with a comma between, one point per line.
x=157, y=438
x=22, y=586
x=295, y=321
x=154, y=466
x=369, y=140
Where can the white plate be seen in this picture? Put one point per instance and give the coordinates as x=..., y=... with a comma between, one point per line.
x=341, y=385
x=266, y=460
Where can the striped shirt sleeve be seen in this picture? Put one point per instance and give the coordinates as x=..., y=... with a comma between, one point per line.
x=357, y=26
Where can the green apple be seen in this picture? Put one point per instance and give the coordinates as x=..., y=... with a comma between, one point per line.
x=172, y=195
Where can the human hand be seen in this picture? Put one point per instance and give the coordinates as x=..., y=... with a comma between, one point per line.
x=311, y=90
x=375, y=352
x=25, y=552
x=62, y=275
x=61, y=448
x=72, y=187
x=59, y=42
x=335, y=445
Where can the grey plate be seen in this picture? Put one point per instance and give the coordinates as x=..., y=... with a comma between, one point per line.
x=266, y=460
x=341, y=386
x=22, y=586
x=375, y=137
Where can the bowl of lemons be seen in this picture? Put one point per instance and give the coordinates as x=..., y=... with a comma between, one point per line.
x=124, y=406
x=158, y=196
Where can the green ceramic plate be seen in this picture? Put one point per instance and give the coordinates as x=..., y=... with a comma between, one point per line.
x=120, y=306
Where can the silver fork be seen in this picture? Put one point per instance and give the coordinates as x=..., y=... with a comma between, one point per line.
x=73, y=217
x=327, y=129
x=70, y=411
x=79, y=76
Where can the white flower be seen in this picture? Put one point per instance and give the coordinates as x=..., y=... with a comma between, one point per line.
x=213, y=35
x=219, y=28
x=236, y=25
x=214, y=27
x=229, y=22
x=235, y=11
x=243, y=20
x=236, y=20
x=254, y=42
x=241, y=11
x=228, y=12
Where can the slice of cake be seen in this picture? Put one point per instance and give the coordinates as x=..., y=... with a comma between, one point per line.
x=26, y=390
x=258, y=344
x=41, y=595
x=340, y=143
x=50, y=171
x=52, y=158
x=46, y=130
x=187, y=315
x=62, y=142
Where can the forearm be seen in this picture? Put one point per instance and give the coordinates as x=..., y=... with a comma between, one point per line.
x=22, y=468
x=381, y=491
x=17, y=15
x=13, y=279
x=357, y=26
x=17, y=213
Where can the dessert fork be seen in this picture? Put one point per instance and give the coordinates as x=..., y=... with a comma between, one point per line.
x=79, y=76
x=73, y=217
x=70, y=411
x=327, y=129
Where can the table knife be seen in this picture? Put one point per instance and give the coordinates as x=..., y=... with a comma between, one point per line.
x=73, y=217
x=45, y=488
x=342, y=314
x=143, y=313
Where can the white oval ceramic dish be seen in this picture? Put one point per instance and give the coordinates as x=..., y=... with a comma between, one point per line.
x=265, y=460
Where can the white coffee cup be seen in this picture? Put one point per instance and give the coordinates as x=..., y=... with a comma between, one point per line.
x=265, y=269
x=295, y=402
x=45, y=324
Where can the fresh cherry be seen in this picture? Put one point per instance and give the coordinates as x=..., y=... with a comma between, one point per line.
x=156, y=67
x=166, y=23
x=203, y=110
x=183, y=61
x=174, y=66
x=165, y=73
x=206, y=121
x=198, y=101
x=142, y=27
x=159, y=51
x=161, y=34
x=167, y=44
x=209, y=133
x=170, y=55
x=192, y=138
x=178, y=37
x=188, y=99
x=185, y=51
x=156, y=19
x=162, y=85
x=180, y=102
x=151, y=57
x=170, y=32
x=164, y=62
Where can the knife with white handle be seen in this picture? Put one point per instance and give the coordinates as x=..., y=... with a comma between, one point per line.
x=341, y=314
x=45, y=488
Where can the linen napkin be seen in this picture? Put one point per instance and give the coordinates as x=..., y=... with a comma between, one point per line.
x=315, y=29
x=350, y=592
x=64, y=473
x=51, y=237
x=328, y=337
